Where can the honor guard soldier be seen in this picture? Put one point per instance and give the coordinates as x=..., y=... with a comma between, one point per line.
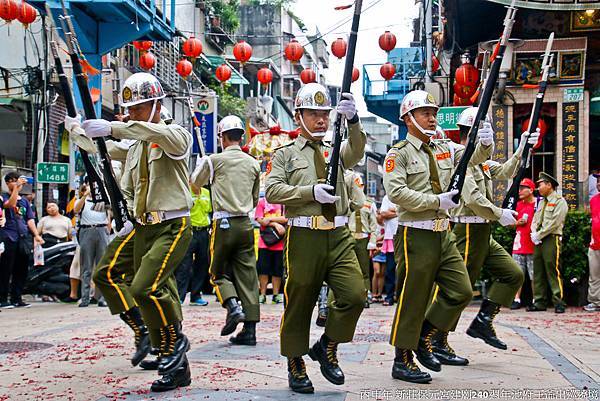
x=363, y=225
x=235, y=186
x=546, y=234
x=317, y=249
x=416, y=170
x=157, y=176
x=473, y=230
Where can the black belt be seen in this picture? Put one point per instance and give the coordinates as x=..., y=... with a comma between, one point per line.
x=195, y=228
x=92, y=225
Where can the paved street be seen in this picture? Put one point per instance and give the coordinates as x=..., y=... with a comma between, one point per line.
x=62, y=352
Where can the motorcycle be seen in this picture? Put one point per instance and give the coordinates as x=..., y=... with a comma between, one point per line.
x=52, y=278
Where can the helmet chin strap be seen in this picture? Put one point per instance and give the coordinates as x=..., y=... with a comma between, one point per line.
x=424, y=131
x=317, y=135
x=153, y=111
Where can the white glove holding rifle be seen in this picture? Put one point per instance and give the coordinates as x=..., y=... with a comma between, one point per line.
x=528, y=138
x=77, y=134
x=446, y=201
x=322, y=195
x=347, y=106
x=508, y=218
x=486, y=134
x=97, y=128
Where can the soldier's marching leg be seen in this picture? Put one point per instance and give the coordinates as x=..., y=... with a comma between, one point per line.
x=222, y=245
x=113, y=276
x=551, y=251
x=246, y=280
x=159, y=248
x=418, y=254
x=345, y=281
x=507, y=278
x=540, y=283
x=362, y=254
x=453, y=295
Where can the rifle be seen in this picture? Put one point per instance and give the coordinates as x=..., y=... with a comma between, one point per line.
x=333, y=167
x=458, y=178
x=96, y=185
x=512, y=196
x=116, y=86
x=190, y=104
x=117, y=201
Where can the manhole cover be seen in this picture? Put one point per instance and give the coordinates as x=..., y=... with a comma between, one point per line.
x=9, y=347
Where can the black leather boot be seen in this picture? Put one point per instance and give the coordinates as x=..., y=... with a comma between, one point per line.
x=180, y=377
x=235, y=315
x=482, y=327
x=173, y=346
x=425, y=349
x=247, y=336
x=325, y=351
x=151, y=364
x=444, y=352
x=297, y=378
x=406, y=369
x=133, y=319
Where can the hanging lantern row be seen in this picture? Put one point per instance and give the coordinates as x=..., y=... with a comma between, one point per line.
x=192, y=47
x=184, y=68
x=339, y=47
x=465, y=84
x=308, y=75
x=294, y=51
x=147, y=60
x=387, y=41
x=242, y=52
x=387, y=71
x=10, y=10
x=265, y=76
x=142, y=45
x=223, y=73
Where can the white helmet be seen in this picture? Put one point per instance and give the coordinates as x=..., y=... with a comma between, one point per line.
x=467, y=117
x=231, y=123
x=313, y=96
x=139, y=88
x=415, y=100
x=165, y=115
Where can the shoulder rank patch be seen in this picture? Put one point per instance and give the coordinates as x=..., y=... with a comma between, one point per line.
x=390, y=163
x=551, y=204
x=486, y=167
x=269, y=167
x=400, y=144
x=442, y=156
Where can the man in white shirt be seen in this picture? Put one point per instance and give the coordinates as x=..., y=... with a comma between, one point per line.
x=388, y=219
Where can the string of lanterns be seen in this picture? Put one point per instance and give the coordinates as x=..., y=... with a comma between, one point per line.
x=11, y=10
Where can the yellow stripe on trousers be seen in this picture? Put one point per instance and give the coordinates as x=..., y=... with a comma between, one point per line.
x=287, y=276
x=401, y=300
x=112, y=264
x=560, y=286
x=468, y=232
x=162, y=268
x=212, y=253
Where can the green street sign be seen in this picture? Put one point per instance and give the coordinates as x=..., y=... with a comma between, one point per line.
x=573, y=95
x=447, y=117
x=53, y=173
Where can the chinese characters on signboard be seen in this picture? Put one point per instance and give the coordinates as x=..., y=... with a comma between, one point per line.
x=499, y=116
x=570, y=153
x=206, y=113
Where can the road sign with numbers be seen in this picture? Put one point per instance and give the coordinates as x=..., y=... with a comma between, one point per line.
x=52, y=173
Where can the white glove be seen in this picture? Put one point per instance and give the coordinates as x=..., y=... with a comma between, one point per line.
x=322, y=195
x=532, y=140
x=446, y=201
x=96, y=128
x=72, y=122
x=486, y=134
x=200, y=161
x=99, y=207
x=535, y=238
x=508, y=217
x=347, y=106
x=127, y=228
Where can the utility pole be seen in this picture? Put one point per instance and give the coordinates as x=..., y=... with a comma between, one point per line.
x=428, y=6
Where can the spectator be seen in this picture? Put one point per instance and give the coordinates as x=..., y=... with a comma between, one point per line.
x=388, y=218
x=74, y=279
x=18, y=248
x=592, y=179
x=2, y=222
x=270, y=250
x=94, y=228
x=54, y=227
x=378, y=258
x=523, y=247
x=594, y=253
x=31, y=199
x=192, y=271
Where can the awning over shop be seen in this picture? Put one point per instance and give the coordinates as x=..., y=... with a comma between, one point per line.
x=236, y=77
x=559, y=5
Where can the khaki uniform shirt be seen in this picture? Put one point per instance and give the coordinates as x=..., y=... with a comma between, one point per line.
x=549, y=218
x=168, y=148
x=293, y=174
x=477, y=196
x=235, y=180
x=407, y=180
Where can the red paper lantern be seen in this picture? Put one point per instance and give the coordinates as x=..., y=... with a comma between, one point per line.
x=9, y=10
x=355, y=74
x=435, y=63
x=461, y=102
x=184, y=68
x=147, y=61
x=387, y=41
x=294, y=51
x=265, y=76
x=192, y=47
x=27, y=14
x=387, y=71
x=467, y=75
x=242, y=51
x=223, y=72
x=464, y=91
x=142, y=45
x=308, y=75
x=542, y=125
x=339, y=48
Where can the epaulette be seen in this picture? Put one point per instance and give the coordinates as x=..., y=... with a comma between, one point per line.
x=284, y=146
x=400, y=144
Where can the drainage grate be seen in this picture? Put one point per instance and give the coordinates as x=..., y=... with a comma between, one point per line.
x=9, y=347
